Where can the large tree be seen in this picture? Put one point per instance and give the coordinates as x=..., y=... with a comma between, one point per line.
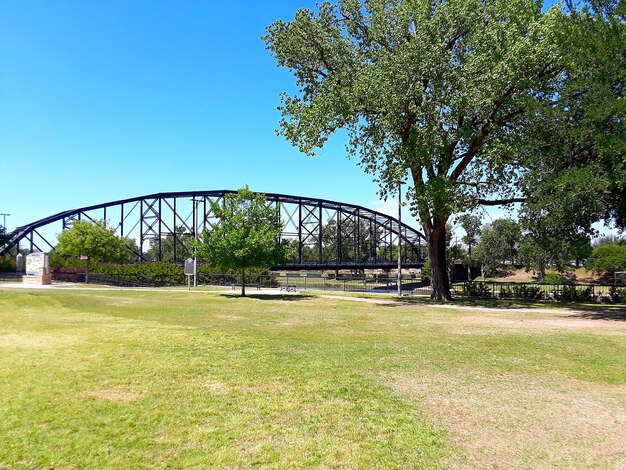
x=246, y=236
x=94, y=242
x=441, y=90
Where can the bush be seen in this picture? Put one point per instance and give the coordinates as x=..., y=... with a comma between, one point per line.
x=476, y=289
x=553, y=278
x=572, y=294
x=159, y=274
x=505, y=292
x=525, y=291
x=617, y=295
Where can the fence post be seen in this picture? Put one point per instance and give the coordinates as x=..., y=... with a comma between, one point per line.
x=344, y=285
x=305, y=283
x=324, y=283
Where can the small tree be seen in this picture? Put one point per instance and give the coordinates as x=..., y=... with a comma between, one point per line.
x=247, y=235
x=94, y=242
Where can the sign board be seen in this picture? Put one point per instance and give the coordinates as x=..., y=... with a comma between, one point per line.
x=34, y=263
x=190, y=267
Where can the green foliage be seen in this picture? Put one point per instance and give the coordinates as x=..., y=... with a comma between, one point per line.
x=247, y=235
x=574, y=152
x=472, y=226
x=4, y=236
x=498, y=243
x=525, y=291
x=505, y=292
x=154, y=273
x=552, y=278
x=476, y=289
x=617, y=295
x=606, y=259
x=94, y=242
x=548, y=243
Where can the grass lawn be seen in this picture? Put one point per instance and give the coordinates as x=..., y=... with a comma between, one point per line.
x=145, y=379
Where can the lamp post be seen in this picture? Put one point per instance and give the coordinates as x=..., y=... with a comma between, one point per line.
x=400, y=239
x=195, y=235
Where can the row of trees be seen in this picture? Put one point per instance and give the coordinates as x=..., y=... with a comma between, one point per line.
x=506, y=243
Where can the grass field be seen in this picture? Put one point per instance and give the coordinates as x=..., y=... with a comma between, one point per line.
x=143, y=379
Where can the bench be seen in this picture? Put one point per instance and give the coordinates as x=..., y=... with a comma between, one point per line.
x=288, y=287
x=238, y=286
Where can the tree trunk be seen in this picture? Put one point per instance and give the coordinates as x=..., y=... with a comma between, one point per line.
x=437, y=254
x=243, y=282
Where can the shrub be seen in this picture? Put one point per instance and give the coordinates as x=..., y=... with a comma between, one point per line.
x=617, y=295
x=160, y=274
x=572, y=294
x=505, y=292
x=525, y=291
x=477, y=289
x=553, y=278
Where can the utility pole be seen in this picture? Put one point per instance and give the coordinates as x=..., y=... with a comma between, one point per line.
x=400, y=239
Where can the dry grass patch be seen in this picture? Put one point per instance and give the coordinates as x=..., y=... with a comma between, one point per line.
x=519, y=421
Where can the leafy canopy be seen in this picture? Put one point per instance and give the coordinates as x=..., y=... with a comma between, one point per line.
x=93, y=241
x=420, y=86
x=247, y=234
x=606, y=259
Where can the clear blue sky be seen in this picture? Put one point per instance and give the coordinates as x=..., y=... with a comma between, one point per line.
x=108, y=100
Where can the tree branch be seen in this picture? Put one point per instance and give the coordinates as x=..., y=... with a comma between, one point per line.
x=482, y=134
x=500, y=202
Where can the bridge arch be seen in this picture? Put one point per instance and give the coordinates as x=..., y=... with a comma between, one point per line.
x=324, y=234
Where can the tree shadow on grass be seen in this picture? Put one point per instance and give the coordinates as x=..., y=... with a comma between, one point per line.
x=592, y=311
x=269, y=296
x=608, y=314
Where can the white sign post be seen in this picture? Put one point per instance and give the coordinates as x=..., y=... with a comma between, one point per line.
x=190, y=270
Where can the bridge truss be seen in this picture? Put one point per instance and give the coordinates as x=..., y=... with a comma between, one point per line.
x=322, y=234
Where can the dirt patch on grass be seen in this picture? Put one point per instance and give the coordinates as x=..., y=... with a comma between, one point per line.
x=517, y=421
x=546, y=322
x=113, y=394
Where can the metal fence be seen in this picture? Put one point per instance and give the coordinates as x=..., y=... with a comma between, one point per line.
x=374, y=284
x=532, y=291
x=10, y=277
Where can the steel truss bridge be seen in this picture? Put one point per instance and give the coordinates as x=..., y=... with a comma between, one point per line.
x=321, y=234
